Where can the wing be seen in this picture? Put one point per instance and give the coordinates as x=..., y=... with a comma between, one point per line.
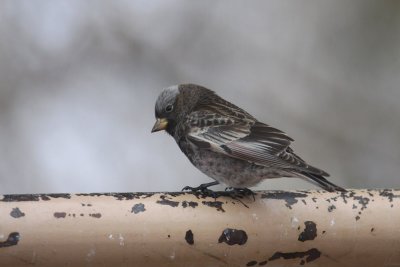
x=220, y=126
x=244, y=138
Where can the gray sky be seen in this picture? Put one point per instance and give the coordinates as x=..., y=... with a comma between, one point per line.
x=79, y=81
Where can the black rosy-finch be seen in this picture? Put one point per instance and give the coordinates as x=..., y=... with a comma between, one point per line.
x=227, y=143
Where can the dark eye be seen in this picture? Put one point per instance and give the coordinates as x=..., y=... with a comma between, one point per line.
x=169, y=108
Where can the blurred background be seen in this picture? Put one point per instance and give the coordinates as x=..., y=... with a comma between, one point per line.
x=79, y=79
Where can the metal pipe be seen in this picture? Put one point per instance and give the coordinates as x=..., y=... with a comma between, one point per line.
x=277, y=228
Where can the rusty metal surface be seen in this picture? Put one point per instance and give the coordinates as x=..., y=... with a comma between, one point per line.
x=310, y=228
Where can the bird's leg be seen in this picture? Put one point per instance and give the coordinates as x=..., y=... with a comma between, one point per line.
x=203, y=188
x=240, y=192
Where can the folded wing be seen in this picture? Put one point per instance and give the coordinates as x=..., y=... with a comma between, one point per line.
x=246, y=139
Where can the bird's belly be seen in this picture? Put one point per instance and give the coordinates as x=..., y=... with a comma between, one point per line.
x=230, y=171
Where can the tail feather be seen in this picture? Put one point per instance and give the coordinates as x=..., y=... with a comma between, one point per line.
x=323, y=182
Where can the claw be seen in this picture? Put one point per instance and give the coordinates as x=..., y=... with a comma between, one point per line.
x=189, y=188
x=203, y=189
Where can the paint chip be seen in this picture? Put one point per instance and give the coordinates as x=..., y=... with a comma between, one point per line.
x=138, y=208
x=17, y=213
x=189, y=237
x=60, y=215
x=233, y=237
x=309, y=233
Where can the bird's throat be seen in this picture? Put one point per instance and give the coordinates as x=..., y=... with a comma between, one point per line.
x=171, y=128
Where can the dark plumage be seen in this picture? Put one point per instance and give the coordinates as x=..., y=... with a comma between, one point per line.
x=227, y=143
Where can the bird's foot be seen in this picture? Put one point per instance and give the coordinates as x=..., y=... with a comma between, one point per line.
x=203, y=189
x=240, y=192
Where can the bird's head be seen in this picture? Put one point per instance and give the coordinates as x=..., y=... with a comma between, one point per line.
x=167, y=109
x=175, y=102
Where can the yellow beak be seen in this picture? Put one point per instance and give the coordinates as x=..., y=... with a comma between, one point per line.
x=161, y=124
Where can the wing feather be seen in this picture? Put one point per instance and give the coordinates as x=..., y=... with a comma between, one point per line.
x=220, y=126
x=247, y=139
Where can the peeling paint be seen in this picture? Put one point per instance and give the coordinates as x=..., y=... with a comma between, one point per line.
x=95, y=215
x=176, y=194
x=47, y=197
x=233, y=237
x=309, y=233
x=168, y=202
x=289, y=197
x=358, y=203
x=33, y=197
x=251, y=263
x=191, y=204
x=119, y=196
x=12, y=240
x=331, y=208
x=16, y=213
x=311, y=255
x=388, y=193
x=138, y=208
x=60, y=215
x=346, y=195
x=214, y=204
x=189, y=237
x=363, y=201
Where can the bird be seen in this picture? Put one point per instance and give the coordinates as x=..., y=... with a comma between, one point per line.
x=227, y=143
